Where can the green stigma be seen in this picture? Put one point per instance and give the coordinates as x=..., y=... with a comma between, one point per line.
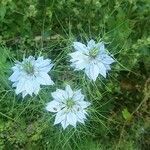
x=28, y=68
x=70, y=103
x=94, y=52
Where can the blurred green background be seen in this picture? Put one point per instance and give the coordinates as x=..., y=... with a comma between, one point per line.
x=120, y=117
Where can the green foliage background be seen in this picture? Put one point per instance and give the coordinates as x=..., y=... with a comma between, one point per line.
x=119, y=117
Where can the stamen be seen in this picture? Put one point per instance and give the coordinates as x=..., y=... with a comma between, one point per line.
x=70, y=103
x=94, y=52
x=28, y=68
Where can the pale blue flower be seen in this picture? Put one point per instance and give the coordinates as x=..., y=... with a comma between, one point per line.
x=69, y=107
x=93, y=59
x=29, y=74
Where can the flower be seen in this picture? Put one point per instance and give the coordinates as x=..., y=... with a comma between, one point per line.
x=93, y=59
x=69, y=107
x=29, y=74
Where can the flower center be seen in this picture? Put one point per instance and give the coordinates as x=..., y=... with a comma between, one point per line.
x=93, y=52
x=70, y=103
x=28, y=68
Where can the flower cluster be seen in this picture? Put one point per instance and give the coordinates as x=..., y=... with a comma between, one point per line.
x=30, y=74
x=93, y=59
x=69, y=106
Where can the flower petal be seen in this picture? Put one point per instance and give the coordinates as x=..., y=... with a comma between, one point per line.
x=44, y=65
x=102, y=69
x=79, y=60
x=107, y=67
x=20, y=86
x=64, y=123
x=24, y=93
x=15, y=76
x=79, y=47
x=59, y=95
x=60, y=116
x=36, y=87
x=69, y=91
x=92, y=71
x=79, y=65
x=72, y=119
x=76, y=55
x=15, y=84
x=80, y=116
x=84, y=104
x=91, y=44
x=101, y=47
x=44, y=79
x=53, y=106
x=47, y=68
x=78, y=96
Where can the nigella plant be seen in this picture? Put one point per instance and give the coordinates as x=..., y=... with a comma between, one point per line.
x=69, y=107
x=93, y=59
x=29, y=74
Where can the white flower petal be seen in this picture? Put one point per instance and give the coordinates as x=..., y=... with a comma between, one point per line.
x=84, y=104
x=81, y=120
x=78, y=96
x=59, y=95
x=64, y=123
x=92, y=71
x=20, y=86
x=107, y=67
x=47, y=68
x=30, y=58
x=72, y=119
x=15, y=76
x=44, y=79
x=24, y=93
x=79, y=60
x=53, y=106
x=106, y=59
x=60, y=116
x=28, y=86
x=79, y=47
x=44, y=65
x=80, y=116
x=102, y=69
x=101, y=47
x=14, y=84
x=69, y=91
x=76, y=55
x=36, y=87
x=79, y=65
x=91, y=44
x=16, y=67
